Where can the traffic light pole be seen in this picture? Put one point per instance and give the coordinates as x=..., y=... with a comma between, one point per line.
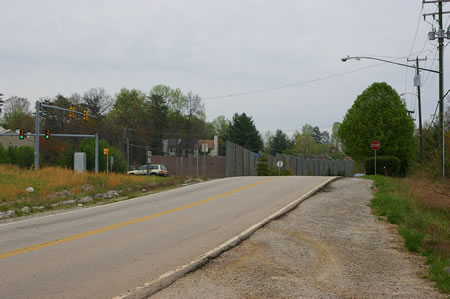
x=36, y=136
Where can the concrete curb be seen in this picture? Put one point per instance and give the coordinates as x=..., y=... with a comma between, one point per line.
x=166, y=279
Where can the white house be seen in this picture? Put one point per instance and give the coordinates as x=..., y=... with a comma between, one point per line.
x=14, y=141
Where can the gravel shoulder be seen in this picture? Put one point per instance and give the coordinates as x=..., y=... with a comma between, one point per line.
x=329, y=246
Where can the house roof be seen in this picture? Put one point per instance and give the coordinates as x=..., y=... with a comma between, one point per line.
x=209, y=142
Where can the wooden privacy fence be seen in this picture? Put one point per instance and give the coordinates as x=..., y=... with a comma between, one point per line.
x=242, y=162
x=239, y=161
x=204, y=166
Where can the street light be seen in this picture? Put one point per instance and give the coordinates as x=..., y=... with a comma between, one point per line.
x=441, y=88
x=344, y=59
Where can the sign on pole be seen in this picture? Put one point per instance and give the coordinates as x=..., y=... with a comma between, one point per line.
x=279, y=165
x=375, y=145
x=204, y=147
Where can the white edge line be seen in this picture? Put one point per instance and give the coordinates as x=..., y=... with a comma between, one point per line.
x=166, y=279
x=36, y=216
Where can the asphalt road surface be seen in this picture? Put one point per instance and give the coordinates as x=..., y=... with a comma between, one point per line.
x=104, y=251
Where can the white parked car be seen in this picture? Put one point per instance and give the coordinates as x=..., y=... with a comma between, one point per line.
x=154, y=169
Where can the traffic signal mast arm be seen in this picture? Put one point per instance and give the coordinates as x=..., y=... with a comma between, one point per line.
x=54, y=135
x=64, y=109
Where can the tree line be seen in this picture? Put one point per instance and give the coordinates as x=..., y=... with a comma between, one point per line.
x=171, y=122
x=165, y=119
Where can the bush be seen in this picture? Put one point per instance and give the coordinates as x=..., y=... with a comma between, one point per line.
x=263, y=169
x=338, y=156
x=22, y=156
x=3, y=155
x=25, y=156
x=391, y=163
x=88, y=146
x=12, y=155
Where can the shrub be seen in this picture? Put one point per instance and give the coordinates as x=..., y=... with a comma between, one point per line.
x=88, y=146
x=25, y=156
x=3, y=155
x=338, y=156
x=12, y=155
x=262, y=168
x=391, y=163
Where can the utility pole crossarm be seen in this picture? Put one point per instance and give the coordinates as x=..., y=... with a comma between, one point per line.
x=434, y=1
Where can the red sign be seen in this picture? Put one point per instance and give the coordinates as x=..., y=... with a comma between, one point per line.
x=375, y=145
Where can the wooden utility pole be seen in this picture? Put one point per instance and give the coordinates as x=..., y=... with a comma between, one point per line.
x=418, y=83
x=440, y=34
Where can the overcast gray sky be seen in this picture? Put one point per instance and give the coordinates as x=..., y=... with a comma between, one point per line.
x=217, y=48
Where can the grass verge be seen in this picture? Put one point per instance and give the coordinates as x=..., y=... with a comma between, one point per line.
x=53, y=185
x=421, y=209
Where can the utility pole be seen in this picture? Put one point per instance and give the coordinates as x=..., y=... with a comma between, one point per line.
x=441, y=84
x=128, y=154
x=417, y=82
x=441, y=34
x=147, y=149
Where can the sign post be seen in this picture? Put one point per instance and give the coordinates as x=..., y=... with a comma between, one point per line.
x=279, y=165
x=106, y=153
x=204, y=151
x=375, y=145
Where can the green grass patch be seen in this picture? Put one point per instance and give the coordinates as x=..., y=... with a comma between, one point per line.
x=425, y=228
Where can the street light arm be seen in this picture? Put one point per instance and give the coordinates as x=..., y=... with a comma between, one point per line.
x=344, y=59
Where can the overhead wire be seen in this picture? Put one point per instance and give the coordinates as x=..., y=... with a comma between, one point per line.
x=432, y=120
x=295, y=84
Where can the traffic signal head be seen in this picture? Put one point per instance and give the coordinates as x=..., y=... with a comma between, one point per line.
x=85, y=116
x=47, y=134
x=72, y=114
x=21, y=134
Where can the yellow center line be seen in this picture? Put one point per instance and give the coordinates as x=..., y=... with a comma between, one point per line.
x=119, y=225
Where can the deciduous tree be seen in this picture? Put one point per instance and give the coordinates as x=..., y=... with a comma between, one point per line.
x=378, y=114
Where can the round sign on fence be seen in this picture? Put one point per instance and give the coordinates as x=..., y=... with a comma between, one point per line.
x=375, y=145
x=280, y=164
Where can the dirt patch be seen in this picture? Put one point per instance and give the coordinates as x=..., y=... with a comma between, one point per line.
x=329, y=246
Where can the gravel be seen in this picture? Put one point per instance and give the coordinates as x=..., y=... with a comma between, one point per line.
x=330, y=246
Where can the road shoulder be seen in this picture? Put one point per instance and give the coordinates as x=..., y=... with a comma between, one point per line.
x=329, y=246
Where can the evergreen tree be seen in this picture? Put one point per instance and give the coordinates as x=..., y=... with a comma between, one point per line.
x=243, y=132
x=279, y=143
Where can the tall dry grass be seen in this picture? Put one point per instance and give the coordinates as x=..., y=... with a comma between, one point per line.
x=14, y=181
x=428, y=192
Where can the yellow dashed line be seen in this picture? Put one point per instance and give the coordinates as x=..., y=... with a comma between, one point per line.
x=119, y=225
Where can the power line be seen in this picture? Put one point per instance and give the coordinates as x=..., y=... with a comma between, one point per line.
x=291, y=85
x=431, y=124
x=417, y=30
